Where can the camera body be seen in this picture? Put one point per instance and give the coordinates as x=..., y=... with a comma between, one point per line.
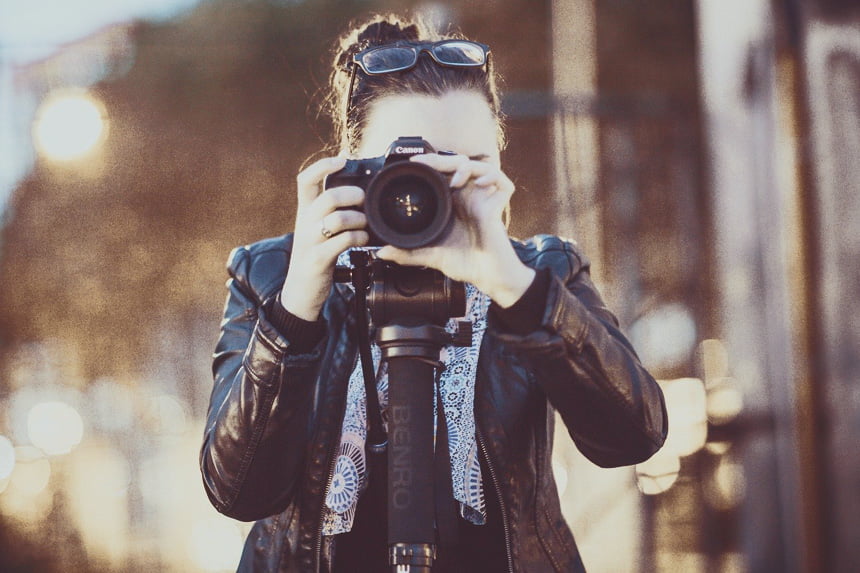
x=407, y=204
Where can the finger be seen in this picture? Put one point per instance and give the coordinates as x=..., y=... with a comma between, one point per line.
x=408, y=257
x=494, y=177
x=498, y=179
x=462, y=167
x=336, y=198
x=342, y=241
x=309, y=179
x=443, y=163
x=340, y=221
x=468, y=170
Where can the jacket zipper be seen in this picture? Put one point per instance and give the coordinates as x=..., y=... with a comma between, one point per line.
x=502, y=508
x=332, y=466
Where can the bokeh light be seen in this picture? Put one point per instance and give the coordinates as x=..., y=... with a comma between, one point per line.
x=7, y=457
x=658, y=473
x=725, y=401
x=54, y=427
x=215, y=544
x=688, y=432
x=726, y=486
x=718, y=448
x=32, y=471
x=26, y=495
x=686, y=405
x=715, y=359
x=665, y=336
x=559, y=472
x=69, y=126
x=98, y=479
x=166, y=414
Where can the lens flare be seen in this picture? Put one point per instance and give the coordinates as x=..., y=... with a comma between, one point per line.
x=69, y=126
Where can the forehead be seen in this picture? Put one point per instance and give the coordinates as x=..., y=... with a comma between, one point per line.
x=459, y=121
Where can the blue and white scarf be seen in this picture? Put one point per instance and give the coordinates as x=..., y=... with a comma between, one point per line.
x=457, y=386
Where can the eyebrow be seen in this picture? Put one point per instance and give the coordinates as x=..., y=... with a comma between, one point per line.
x=479, y=157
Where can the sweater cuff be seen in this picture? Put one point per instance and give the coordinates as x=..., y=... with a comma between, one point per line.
x=303, y=335
x=525, y=315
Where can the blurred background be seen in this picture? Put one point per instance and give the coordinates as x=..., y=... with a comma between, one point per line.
x=704, y=153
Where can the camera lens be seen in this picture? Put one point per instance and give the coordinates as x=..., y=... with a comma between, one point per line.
x=408, y=205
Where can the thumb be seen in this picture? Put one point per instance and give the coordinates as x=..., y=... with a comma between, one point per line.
x=406, y=257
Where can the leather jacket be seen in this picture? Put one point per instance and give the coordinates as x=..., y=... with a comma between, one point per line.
x=275, y=416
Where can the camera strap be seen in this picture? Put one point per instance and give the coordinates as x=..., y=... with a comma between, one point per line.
x=377, y=440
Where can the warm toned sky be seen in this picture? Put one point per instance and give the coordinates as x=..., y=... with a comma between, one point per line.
x=35, y=28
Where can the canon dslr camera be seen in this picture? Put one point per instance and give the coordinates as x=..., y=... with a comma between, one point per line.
x=407, y=204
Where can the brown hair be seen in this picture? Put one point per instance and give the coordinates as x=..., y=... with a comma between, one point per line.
x=425, y=78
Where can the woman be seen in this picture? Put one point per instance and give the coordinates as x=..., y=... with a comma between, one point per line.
x=286, y=434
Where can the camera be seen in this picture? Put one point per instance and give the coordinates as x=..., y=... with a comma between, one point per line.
x=407, y=204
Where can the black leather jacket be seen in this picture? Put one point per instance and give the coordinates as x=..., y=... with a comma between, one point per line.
x=275, y=416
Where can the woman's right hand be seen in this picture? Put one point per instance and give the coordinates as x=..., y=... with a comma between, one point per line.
x=323, y=230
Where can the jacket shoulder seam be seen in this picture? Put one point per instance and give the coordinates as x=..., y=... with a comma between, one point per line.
x=532, y=250
x=245, y=257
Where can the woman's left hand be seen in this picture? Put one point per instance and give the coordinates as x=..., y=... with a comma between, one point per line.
x=477, y=249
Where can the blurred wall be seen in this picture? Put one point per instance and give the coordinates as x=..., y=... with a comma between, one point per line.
x=780, y=89
x=829, y=44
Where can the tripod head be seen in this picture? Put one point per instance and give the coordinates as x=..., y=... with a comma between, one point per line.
x=409, y=305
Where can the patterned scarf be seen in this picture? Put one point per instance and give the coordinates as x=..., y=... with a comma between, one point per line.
x=457, y=386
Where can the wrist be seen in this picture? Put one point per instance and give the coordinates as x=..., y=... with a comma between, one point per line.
x=517, y=281
x=303, y=335
x=303, y=297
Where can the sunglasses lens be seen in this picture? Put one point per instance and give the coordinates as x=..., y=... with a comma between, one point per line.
x=460, y=54
x=388, y=59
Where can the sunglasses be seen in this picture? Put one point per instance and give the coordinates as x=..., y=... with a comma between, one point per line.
x=398, y=57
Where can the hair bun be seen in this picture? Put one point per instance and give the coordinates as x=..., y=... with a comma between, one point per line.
x=378, y=31
x=385, y=32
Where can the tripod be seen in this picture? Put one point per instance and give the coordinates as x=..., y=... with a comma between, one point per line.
x=410, y=305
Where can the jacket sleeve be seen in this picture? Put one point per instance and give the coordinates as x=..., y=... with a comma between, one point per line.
x=612, y=407
x=259, y=412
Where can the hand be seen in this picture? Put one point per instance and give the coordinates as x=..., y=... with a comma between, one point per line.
x=477, y=249
x=323, y=230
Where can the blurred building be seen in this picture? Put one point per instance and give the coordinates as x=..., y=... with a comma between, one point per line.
x=732, y=205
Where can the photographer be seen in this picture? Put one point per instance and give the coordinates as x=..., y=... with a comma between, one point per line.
x=286, y=436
